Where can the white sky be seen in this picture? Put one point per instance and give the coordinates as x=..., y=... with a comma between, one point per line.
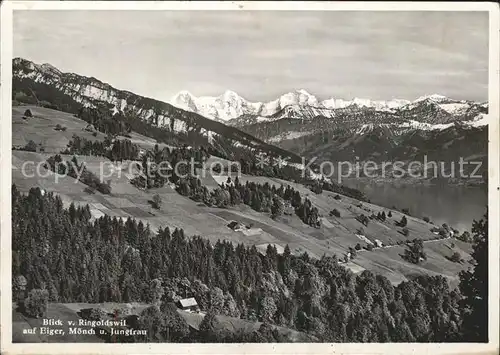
x=263, y=54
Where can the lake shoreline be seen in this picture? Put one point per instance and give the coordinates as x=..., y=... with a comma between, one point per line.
x=455, y=205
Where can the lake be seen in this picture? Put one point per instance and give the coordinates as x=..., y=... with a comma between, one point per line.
x=455, y=205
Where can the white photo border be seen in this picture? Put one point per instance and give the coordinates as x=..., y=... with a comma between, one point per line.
x=7, y=8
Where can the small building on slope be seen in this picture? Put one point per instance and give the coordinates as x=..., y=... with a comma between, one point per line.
x=188, y=305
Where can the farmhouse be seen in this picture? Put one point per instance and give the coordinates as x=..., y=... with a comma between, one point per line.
x=235, y=226
x=188, y=305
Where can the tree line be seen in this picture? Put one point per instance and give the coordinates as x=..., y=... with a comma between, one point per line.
x=77, y=171
x=111, y=148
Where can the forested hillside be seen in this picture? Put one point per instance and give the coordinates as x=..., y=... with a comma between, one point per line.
x=80, y=259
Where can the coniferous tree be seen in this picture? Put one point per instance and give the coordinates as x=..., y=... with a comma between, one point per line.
x=277, y=207
x=414, y=253
x=256, y=202
x=210, y=328
x=35, y=305
x=157, y=201
x=474, y=286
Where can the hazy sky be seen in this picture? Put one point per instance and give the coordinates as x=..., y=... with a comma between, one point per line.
x=263, y=54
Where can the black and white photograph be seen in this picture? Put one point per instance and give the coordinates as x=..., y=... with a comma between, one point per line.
x=224, y=173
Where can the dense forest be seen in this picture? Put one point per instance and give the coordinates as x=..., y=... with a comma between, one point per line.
x=78, y=259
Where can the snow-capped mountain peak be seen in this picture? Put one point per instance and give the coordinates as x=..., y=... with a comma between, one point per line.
x=184, y=93
x=303, y=92
x=231, y=94
x=224, y=107
x=231, y=105
x=48, y=68
x=185, y=100
x=434, y=97
x=298, y=97
x=360, y=102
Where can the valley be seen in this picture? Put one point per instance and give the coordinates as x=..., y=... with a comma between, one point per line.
x=325, y=140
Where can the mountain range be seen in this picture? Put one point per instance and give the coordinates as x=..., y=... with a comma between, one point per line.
x=435, y=126
x=237, y=111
